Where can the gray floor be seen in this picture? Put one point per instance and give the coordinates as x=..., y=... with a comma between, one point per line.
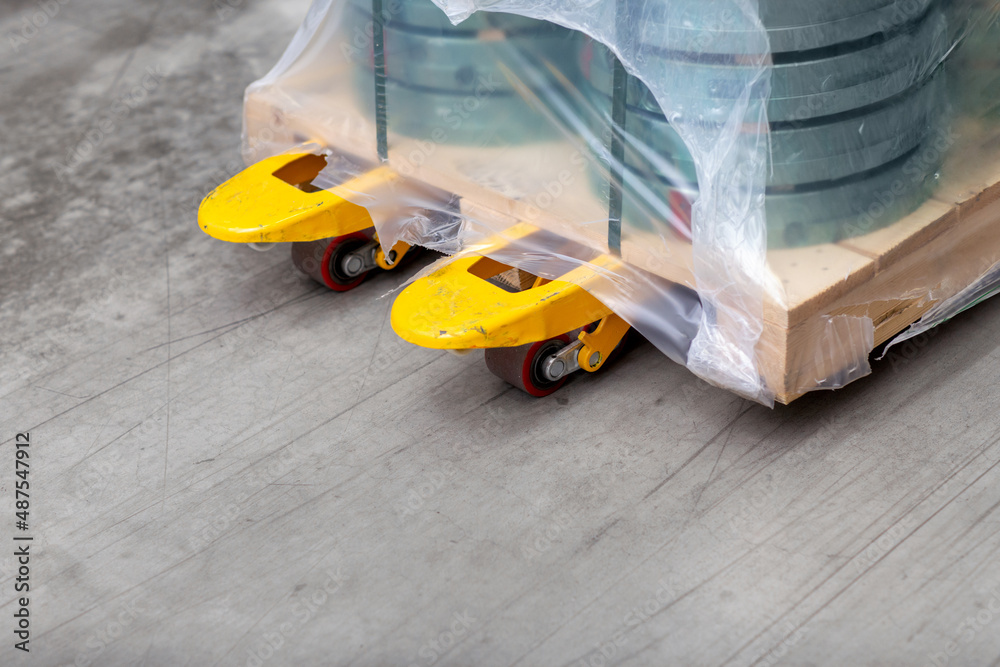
x=231, y=466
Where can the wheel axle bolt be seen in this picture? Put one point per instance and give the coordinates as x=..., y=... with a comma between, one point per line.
x=353, y=265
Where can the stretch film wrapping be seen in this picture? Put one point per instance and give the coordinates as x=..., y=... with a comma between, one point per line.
x=750, y=165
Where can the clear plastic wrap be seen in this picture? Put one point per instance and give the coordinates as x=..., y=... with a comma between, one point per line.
x=764, y=191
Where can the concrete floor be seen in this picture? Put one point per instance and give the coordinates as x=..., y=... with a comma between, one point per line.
x=232, y=466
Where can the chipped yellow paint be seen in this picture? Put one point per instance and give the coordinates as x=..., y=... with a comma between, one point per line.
x=257, y=206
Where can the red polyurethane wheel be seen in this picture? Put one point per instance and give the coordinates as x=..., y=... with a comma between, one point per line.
x=320, y=260
x=521, y=366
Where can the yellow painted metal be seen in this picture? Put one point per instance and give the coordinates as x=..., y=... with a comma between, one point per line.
x=455, y=308
x=600, y=343
x=272, y=202
x=400, y=248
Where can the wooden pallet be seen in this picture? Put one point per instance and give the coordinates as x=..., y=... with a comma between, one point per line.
x=890, y=277
x=828, y=305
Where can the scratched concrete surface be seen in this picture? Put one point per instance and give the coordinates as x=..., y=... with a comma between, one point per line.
x=232, y=466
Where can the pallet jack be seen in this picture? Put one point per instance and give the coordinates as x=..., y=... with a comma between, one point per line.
x=535, y=331
x=274, y=201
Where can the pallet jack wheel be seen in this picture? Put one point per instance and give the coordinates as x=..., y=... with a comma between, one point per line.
x=522, y=366
x=321, y=260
